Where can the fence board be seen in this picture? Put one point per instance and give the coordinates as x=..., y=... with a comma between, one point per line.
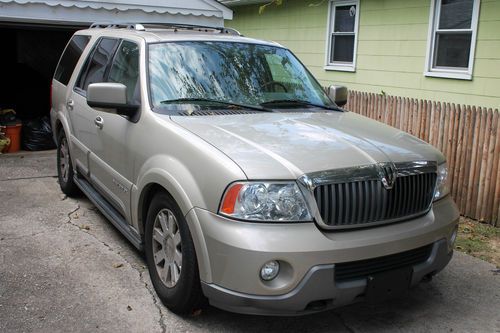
x=468, y=136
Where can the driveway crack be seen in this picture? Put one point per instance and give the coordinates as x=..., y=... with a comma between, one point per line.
x=24, y=236
x=156, y=302
x=24, y=178
x=148, y=287
x=343, y=322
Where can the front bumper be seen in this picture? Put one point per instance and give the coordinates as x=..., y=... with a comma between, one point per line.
x=231, y=253
x=317, y=291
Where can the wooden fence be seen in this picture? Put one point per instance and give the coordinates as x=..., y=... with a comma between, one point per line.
x=468, y=136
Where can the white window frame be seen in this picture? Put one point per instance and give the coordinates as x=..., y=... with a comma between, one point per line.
x=451, y=73
x=340, y=66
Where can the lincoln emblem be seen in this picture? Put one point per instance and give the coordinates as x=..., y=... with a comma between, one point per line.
x=388, y=175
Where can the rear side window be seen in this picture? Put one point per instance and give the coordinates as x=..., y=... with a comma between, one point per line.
x=70, y=57
x=95, y=67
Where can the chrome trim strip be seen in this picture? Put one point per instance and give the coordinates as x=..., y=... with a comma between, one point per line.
x=365, y=172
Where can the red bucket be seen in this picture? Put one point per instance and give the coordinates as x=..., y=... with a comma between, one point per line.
x=13, y=132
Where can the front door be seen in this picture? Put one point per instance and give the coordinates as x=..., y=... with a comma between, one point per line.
x=110, y=163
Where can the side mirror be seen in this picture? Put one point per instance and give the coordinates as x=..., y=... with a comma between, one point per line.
x=109, y=95
x=338, y=94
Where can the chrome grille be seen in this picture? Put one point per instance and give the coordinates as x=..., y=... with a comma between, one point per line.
x=366, y=202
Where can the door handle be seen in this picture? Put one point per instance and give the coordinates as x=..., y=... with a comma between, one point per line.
x=70, y=104
x=99, y=122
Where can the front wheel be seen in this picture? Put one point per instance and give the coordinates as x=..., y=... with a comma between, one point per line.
x=65, y=171
x=171, y=256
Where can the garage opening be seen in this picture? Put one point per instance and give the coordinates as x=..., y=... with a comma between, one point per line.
x=28, y=59
x=29, y=56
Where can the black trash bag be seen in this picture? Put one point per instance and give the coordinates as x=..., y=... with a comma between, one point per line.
x=37, y=134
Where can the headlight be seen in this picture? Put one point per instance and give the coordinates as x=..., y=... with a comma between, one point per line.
x=265, y=201
x=442, y=187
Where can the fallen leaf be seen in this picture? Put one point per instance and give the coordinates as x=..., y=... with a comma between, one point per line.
x=196, y=313
x=118, y=265
x=129, y=308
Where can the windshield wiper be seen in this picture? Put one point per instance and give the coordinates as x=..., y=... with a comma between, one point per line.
x=300, y=102
x=214, y=101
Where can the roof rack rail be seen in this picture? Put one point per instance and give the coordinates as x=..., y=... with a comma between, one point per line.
x=175, y=26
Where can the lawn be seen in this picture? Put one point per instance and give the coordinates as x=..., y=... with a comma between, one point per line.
x=479, y=240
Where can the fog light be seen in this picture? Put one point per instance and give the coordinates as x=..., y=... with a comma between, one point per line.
x=270, y=270
x=453, y=238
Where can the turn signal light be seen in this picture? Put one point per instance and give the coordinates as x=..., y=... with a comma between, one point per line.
x=230, y=199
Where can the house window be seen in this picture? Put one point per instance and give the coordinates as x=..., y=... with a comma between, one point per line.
x=452, y=38
x=342, y=35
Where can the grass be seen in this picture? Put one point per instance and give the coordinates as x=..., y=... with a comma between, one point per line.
x=479, y=240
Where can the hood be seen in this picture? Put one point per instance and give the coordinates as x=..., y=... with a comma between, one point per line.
x=288, y=145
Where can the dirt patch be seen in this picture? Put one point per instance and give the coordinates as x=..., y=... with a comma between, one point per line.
x=479, y=240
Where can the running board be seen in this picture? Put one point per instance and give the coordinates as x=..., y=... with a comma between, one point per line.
x=109, y=211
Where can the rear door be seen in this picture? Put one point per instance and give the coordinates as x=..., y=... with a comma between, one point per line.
x=61, y=93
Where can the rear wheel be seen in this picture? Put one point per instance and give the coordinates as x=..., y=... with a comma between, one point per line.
x=171, y=256
x=65, y=171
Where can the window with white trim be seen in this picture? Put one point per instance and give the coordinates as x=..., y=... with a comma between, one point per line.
x=342, y=35
x=452, y=38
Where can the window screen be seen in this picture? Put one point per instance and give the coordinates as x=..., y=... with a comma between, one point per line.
x=70, y=57
x=452, y=34
x=343, y=29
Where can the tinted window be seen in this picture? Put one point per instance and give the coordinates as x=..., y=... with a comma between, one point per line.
x=70, y=57
x=125, y=69
x=95, y=67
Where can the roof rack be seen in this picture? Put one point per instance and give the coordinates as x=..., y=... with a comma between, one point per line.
x=175, y=26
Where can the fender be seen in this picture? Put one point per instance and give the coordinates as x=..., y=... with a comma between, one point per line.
x=167, y=180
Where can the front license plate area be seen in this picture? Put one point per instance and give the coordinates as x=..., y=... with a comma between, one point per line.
x=386, y=285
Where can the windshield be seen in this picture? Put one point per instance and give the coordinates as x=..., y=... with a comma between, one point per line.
x=241, y=73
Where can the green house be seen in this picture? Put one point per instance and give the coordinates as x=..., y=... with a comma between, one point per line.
x=439, y=50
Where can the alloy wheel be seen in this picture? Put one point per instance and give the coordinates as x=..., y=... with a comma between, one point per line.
x=167, y=249
x=64, y=159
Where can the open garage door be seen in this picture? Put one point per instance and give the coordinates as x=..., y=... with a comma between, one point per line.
x=28, y=59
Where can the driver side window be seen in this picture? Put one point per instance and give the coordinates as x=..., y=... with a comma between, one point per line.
x=95, y=67
x=125, y=70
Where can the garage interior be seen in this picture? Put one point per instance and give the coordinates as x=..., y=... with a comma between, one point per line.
x=27, y=63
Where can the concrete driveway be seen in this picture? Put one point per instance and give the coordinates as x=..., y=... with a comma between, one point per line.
x=64, y=268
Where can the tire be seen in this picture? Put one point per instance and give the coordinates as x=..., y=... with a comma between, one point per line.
x=178, y=286
x=65, y=171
